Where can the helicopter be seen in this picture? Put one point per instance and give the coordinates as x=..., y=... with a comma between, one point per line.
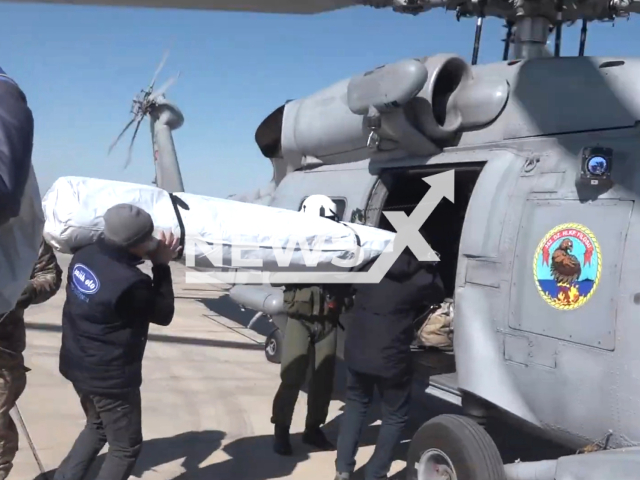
x=165, y=117
x=536, y=246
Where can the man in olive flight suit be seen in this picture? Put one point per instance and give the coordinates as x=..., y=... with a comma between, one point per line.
x=44, y=284
x=313, y=312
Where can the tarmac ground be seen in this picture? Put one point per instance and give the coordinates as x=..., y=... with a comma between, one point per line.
x=206, y=398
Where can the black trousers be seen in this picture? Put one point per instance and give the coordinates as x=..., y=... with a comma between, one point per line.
x=395, y=394
x=112, y=420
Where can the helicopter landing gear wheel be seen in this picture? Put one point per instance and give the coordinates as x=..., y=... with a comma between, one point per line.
x=451, y=447
x=273, y=346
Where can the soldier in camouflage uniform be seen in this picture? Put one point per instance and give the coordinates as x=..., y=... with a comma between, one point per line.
x=44, y=284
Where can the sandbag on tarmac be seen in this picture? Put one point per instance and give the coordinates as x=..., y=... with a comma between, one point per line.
x=74, y=209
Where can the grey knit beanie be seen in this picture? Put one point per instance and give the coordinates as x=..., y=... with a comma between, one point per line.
x=127, y=225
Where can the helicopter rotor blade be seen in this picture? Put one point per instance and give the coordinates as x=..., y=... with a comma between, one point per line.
x=133, y=139
x=163, y=89
x=111, y=147
x=158, y=70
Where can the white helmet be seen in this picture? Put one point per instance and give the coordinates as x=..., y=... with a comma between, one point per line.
x=320, y=205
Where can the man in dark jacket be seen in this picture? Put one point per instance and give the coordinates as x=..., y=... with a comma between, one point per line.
x=21, y=218
x=378, y=355
x=105, y=323
x=46, y=278
x=16, y=127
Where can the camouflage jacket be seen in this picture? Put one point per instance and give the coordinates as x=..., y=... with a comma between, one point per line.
x=45, y=282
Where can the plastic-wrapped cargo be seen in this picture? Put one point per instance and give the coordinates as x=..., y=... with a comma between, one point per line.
x=74, y=208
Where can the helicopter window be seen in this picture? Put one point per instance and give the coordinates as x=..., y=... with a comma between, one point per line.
x=612, y=63
x=341, y=203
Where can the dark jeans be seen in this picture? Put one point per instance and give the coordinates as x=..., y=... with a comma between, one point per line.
x=116, y=420
x=395, y=394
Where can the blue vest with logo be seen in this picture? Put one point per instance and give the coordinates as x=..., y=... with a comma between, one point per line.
x=101, y=352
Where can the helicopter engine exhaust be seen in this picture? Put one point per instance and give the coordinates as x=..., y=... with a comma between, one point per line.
x=414, y=106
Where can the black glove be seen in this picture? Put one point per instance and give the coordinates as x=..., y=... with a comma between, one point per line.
x=28, y=295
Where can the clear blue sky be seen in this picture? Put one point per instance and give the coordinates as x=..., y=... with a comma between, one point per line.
x=81, y=66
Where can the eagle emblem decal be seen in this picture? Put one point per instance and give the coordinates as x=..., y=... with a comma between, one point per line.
x=567, y=266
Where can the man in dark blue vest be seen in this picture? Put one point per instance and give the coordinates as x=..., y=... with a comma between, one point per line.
x=105, y=323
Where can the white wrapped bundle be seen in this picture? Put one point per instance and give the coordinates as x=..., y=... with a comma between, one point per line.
x=74, y=207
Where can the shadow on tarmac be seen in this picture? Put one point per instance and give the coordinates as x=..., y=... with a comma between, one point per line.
x=252, y=458
x=201, y=342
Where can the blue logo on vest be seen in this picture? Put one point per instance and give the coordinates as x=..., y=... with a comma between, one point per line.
x=85, y=280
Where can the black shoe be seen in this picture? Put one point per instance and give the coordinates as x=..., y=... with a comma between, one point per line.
x=281, y=443
x=316, y=438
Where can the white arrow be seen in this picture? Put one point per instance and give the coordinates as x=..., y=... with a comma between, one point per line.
x=408, y=228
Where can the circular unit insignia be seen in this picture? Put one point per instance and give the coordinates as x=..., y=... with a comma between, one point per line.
x=567, y=266
x=84, y=279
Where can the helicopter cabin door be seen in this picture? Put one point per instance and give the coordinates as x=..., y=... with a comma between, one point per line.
x=567, y=269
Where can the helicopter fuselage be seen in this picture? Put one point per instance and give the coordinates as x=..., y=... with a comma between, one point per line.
x=559, y=355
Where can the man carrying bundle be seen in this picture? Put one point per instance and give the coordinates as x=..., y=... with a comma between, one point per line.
x=105, y=324
x=313, y=312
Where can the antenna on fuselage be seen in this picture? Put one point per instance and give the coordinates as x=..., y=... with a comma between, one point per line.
x=507, y=40
x=559, y=8
x=583, y=37
x=476, y=43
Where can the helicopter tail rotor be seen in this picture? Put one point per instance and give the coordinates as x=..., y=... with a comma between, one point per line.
x=158, y=70
x=143, y=105
x=133, y=139
x=115, y=142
